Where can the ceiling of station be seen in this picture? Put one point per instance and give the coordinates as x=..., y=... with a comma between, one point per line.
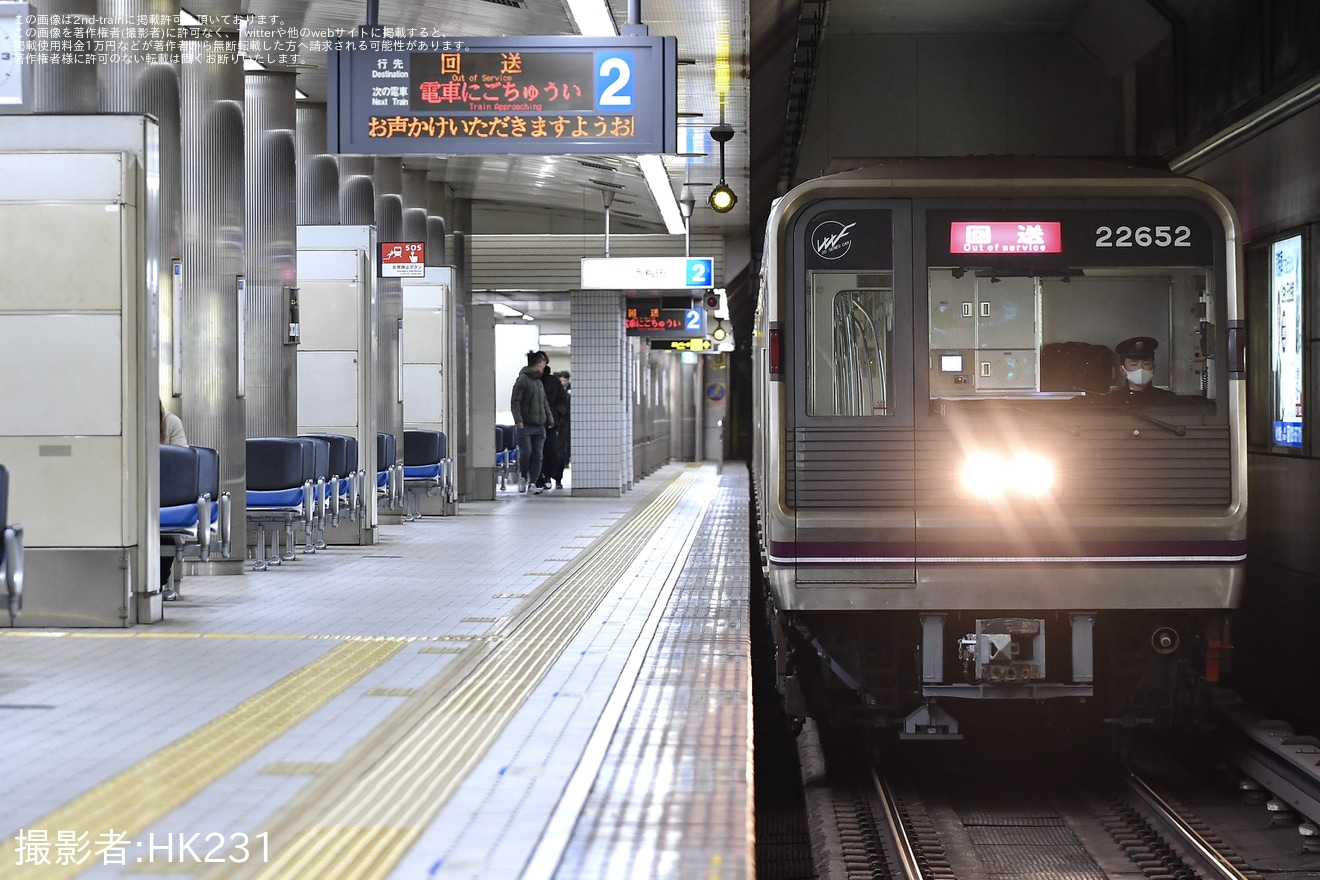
x=705, y=30
x=954, y=16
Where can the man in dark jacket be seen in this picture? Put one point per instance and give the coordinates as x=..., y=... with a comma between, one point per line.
x=565, y=427
x=532, y=414
x=552, y=472
x=1137, y=383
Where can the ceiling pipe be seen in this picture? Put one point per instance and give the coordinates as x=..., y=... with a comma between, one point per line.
x=607, y=196
x=634, y=27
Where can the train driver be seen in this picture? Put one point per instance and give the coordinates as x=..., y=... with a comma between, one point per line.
x=1137, y=383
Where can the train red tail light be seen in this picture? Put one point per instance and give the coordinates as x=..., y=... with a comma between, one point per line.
x=774, y=352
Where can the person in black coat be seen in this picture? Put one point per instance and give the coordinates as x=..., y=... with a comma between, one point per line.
x=565, y=430
x=1137, y=384
x=552, y=470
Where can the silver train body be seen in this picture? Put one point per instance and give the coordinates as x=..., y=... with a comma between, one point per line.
x=954, y=503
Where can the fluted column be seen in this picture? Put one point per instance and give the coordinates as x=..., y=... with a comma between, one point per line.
x=389, y=300
x=212, y=251
x=271, y=237
x=131, y=86
x=65, y=88
x=414, y=208
x=435, y=223
x=357, y=194
x=318, y=171
x=461, y=211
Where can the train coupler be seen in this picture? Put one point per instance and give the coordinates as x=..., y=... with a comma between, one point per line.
x=930, y=721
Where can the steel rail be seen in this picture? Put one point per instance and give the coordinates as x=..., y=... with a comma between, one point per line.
x=1205, y=851
x=903, y=849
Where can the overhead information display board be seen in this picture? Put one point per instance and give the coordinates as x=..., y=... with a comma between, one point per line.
x=647, y=316
x=655, y=273
x=478, y=95
x=697, y=345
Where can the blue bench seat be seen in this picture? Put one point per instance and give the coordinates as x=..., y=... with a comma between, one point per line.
x=344, y=487
x=280, y=493
x=389, y=471
x=275, y=497
x=427, y=469
x=506, y=453
x=193, y=511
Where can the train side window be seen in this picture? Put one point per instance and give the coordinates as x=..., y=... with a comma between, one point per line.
x=850, y=329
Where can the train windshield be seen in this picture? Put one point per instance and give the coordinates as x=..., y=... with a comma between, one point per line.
x=850, y=320
x=994, y=334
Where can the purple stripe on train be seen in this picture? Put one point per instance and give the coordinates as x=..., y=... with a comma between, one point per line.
x=901, y=552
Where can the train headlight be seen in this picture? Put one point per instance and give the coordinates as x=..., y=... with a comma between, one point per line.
x=1031, y=475
x=983, y=476
x=991, y=476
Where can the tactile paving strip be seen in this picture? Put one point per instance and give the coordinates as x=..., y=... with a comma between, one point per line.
x=674, y=795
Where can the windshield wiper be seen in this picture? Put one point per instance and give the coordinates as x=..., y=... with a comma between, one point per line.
x=938, y=408
x=1071, y=429
x=1180, y=430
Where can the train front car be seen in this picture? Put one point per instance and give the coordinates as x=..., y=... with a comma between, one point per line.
x=1000, y=449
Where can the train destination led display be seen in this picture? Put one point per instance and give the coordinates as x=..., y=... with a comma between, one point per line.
x=510, y=82
x=549, y=95
x=649, y=318
x=1027, y=237
x=1159, y=236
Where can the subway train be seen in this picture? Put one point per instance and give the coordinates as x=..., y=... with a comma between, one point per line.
x=966, y=506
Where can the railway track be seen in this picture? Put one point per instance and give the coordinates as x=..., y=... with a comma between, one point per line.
x=980, y=816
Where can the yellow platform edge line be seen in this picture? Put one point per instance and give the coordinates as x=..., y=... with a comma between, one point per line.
x=136, y=798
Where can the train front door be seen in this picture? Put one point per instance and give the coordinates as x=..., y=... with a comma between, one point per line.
x=851, y=440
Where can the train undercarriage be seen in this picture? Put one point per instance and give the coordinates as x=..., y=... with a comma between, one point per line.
x=919, y=675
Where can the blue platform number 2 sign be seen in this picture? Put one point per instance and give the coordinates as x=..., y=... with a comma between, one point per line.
x=614, y=81
x=692, y=321
x=699, y=272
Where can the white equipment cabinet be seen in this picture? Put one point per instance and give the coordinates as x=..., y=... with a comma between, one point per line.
x=429, y=389
x=79, y=418
x=336, y=352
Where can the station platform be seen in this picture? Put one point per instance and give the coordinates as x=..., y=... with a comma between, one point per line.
x=542, y=686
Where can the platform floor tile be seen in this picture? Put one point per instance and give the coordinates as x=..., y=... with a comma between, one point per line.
x=257, y=689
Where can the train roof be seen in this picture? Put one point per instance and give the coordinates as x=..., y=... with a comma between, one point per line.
x=998, y=168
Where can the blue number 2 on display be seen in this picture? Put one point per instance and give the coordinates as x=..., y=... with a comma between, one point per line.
x=699, y=272
x=614, y=81
x=692, y=321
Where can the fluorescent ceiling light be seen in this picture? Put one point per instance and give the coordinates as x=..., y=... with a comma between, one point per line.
x=504, y=311
x=299, y=95
x=592, y=18
x=187, y=19
x=528, y=318
x=251, y=64
x=653, y=169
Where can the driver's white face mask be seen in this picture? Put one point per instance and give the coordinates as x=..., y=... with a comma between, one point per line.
x=1140, y=377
